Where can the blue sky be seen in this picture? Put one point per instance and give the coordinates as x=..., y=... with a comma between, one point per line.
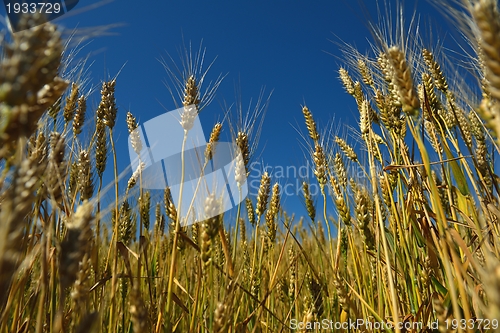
x=283, y=46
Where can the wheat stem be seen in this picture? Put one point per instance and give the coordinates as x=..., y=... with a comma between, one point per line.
x=176, y=235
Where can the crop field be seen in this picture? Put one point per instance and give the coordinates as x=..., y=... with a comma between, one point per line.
x=412, y=244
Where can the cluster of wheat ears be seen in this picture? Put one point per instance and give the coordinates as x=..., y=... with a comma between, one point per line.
x=414, y=240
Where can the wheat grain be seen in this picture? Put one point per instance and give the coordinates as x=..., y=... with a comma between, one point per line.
x=135, y=176
x=365, y=72
x=343, y=209
x=85, y=181
x=38, y=148
x=403, y=81
x=15, y=206
x=463, y=123
x=169, y=205
x=159, y=219
x=79, y=294
x=126, y=221
x=71, y=103
x=250, y=211
x=243, y=145
x=435, y=69
x=107, y=109
x=487, y=18
x=340, y=171
x=212, y=141
x=56, y=170
x=311, y=124
x=195, y=233
x=272, y=213
x=145, y=207
x=135, y=138
x=364, y=117
x=191, y=93
x=311, y=210
x=263, y=195
x=428, y=85
x=321, y=166
x=243, y=229
x=342, y=295
x=101, y=150
x=210, y=227
x=346, y=149
x=79, y=118
x=358, y=92
x=75, y=244
x=346, y=81
x=220, y=320
x=32, y=61
x=316, y=297
x=476, y=126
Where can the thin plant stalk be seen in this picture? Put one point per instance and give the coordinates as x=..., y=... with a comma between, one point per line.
x=114, y=238
x=176, y=234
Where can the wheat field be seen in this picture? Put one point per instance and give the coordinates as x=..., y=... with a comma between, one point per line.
x=413, y=245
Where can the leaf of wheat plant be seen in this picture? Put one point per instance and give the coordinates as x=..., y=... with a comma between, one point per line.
x=405, y=230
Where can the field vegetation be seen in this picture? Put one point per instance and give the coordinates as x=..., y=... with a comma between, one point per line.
x=413, y=243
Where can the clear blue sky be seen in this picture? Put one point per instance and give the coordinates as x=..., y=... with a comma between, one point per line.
x=284, y=46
